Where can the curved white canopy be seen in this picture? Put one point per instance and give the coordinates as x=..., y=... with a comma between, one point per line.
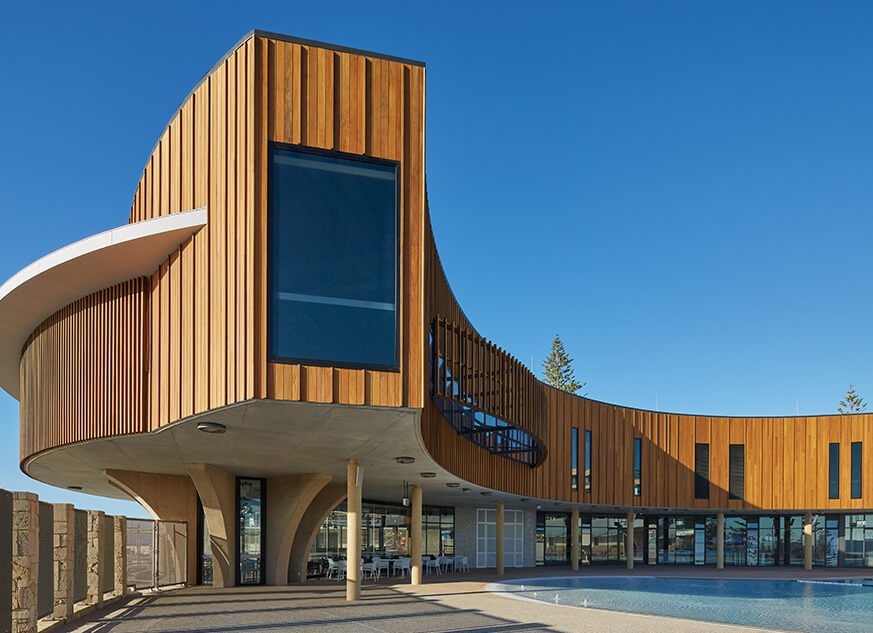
x=39, y=290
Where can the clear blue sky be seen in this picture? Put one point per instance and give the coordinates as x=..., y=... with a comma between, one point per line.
x=682, y=190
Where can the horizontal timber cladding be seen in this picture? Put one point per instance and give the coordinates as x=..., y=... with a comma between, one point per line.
x=209, y=304
x=360, y=105
x=84, y=369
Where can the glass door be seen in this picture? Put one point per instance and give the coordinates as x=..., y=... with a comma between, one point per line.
x=250, y=505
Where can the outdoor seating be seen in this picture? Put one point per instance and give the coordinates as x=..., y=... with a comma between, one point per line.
x=463, y=565
x=381, y=563
x=432, y=564
x=403, y=566
x=372, y=568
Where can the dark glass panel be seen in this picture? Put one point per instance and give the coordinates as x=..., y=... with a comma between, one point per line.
x=587, y=461
x=737, y=474
x=333, y=259
x=701, y=471
x=834, y=471
x=638, y=467
x=250, y=533
x=574, y=459
x=856, y=470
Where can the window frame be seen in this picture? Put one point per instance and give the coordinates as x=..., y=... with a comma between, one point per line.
x=732, y=493
x=834, y=470
x=699, y=479
x=856, y=467
x=574, y=458
x=398, y=204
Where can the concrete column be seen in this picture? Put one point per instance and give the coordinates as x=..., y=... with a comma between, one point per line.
x=353, y=546
x=324, y=502
x=629, y=539
x=119, y=543
x=500, y=554
x=94, y=559
x=289, y=499
x=217, y=491
x=415, y=537
x=719, y=540
x=25, y=561
x=574, y=540
x=63, y=556
x=807, y=541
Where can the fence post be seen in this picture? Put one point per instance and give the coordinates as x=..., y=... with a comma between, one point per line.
x=95, y=558
x=25, y=561
x=155, y=557
x=63, y=546
x=120, y=545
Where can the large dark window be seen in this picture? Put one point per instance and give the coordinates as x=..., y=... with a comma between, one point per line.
x=701, y=471
x=737, y=472
x=587, y=461
x=574, y=459
x=333, y=259
x=856, y=470
x=638, y=467
x=834, y=471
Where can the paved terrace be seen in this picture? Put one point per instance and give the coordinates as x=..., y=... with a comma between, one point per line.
x=450, y=604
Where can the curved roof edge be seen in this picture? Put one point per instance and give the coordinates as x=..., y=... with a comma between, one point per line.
x=39, y=290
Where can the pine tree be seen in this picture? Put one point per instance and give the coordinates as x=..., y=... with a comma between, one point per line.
x=558, y=370
x=853, y=403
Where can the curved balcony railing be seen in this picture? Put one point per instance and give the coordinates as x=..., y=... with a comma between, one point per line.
x=487, y=395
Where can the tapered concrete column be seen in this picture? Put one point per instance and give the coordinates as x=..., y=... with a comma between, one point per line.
x=119, y=546
x=719, y=540
x=629, y=539
x=325, y=501
x=25, y=561
x=94, y=560
x=353, y=546
x=415, y=537
x=500, y=554
x=217, y=490
x=574, y=540
x=807, y=540
x=63, y=556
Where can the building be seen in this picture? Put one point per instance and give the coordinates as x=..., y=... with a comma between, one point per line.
x=270, y=351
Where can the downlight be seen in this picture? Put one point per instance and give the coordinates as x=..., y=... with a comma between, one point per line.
x=428, y=475
x=211, y=427
x=453, y=485
x=404, y=459
x=74, y=487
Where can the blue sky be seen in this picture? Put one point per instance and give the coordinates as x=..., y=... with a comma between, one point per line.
x=682, y=190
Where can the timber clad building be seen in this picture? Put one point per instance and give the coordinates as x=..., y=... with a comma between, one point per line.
x=270, y=351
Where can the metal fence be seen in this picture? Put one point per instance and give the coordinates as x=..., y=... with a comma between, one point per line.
x=157, y=553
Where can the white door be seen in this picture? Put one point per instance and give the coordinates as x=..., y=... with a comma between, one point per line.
x=486, y=538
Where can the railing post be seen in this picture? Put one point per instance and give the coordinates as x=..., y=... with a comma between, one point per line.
x=25, y=561
x=63, y=547
x=155, y=557
x=95, y=558
x=119, y=543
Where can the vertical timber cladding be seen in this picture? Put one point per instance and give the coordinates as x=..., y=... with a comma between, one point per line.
x=83, y=370
x=204, y=335
x=357, y=104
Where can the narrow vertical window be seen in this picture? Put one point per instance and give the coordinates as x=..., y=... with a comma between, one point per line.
x=701, y=471
x=856, y=470
x=574, y=459
x=587, y=461
x=737, y=472
x=638, y=466
x=834, y=471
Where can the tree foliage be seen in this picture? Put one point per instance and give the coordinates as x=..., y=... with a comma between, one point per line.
x=558, y=369
x=852, y=403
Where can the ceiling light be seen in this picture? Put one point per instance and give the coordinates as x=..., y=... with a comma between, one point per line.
x=484, y=493
x=404, y=459
x=428, y=475
x=74, y=487
x=453, y=485
x=211, y=427
x=465, y=490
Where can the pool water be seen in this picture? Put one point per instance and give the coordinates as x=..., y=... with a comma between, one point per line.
x=814, y=607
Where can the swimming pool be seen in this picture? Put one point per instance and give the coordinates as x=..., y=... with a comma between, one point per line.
x=815, y=607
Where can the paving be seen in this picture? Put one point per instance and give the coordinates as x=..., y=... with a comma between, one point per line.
x=451, y=604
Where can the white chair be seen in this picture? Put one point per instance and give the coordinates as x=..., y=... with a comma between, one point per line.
x=381, y=563
x=463, y=564
x=446, y=562
x=403, y=566
x=369, y=567
x=332, y=568
x=432, y=564
x=341, y=569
